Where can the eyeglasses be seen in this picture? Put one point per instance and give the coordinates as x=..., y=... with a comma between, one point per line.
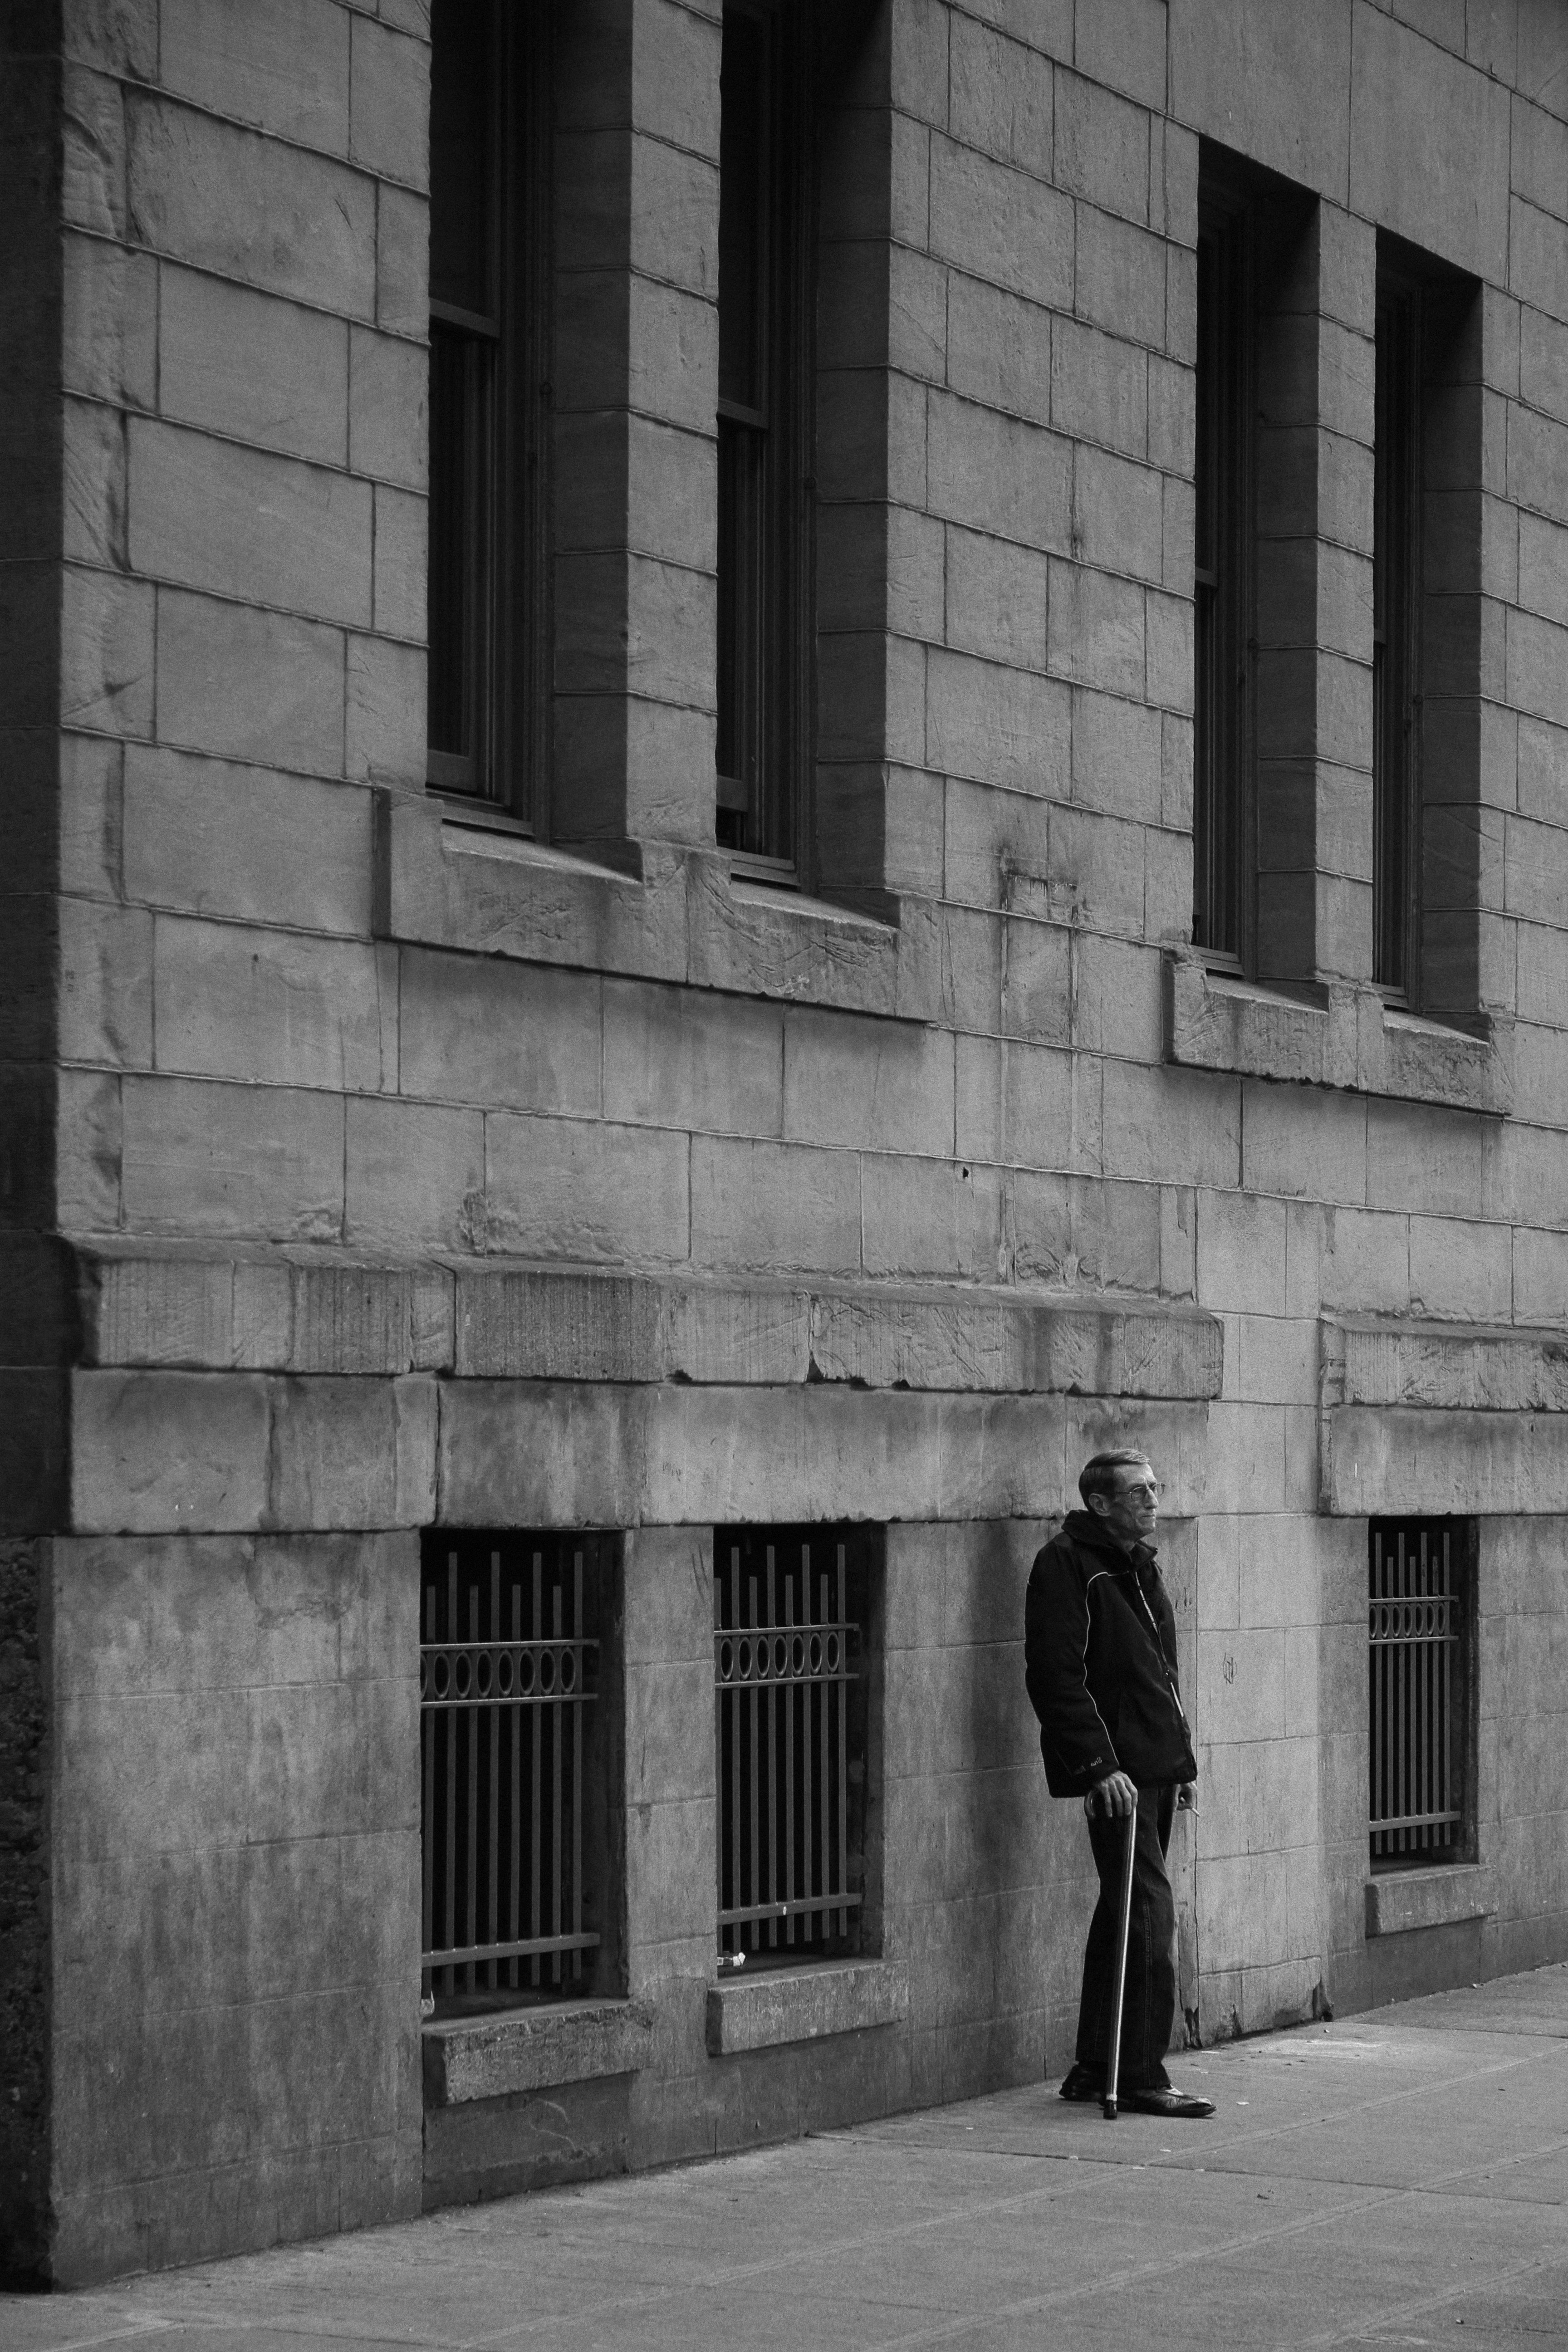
x=1150, y=1488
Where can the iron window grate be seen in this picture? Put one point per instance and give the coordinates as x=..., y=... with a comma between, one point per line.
x=1417, y=1655
x=508, y=1665
x=789, y=1613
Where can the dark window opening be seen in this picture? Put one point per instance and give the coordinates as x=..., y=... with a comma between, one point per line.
x=515, y=1821
x=1396, y=655
x=766, y=239
x=793, y=1661
x=1224, y=586
x=1420, y=1614
x=488, y=308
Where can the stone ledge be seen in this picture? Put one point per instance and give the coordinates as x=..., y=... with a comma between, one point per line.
x=533, y=2049
x=674, y=914
x=1404, y=1900
x=1339, y=1034
x=1472, y=1367
x=804, y=2004
x=178, y=1308
x=1399, y=1459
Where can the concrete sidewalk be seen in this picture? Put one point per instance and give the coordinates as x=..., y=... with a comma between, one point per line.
x=1385, y=2180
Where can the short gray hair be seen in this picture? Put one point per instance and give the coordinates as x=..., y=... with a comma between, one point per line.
x=1098, y=1476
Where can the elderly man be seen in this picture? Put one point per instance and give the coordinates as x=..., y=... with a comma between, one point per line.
x=1099, y=1656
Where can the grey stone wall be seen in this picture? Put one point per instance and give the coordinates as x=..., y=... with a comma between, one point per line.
x=363, y=1173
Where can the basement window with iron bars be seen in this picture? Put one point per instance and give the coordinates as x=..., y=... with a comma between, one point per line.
x=1420, y=1620
x=512, y=1763
x=794, y=1660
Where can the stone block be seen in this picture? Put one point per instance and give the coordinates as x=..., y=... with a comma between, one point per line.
x=1118, y=756
x=999, y=357
x=1171, y=414
x=209, y=838
x=691, y=1059
x=282, y=65
x=1120, y=276
x=774, y=1207
x=1124, y=42
x=804, y=2004
x=996, y=223
x=249, y=365
x=1430, y=1898
x=106, y=654
x=108, y=339
x=413, y=1176
x=1097, y=630
x=925, y=1217
x=563, y=1188
x=384, y=721
x=92, y=157
x=999, y=473
x=105, y=1005
x=402, y=261
x=1305, y=1147
x=1275, y=90
x=534, y=2049
x=500, y=1036
x=1101, y=149
x=1394, y=1460
x=1241, y=1253
x=1461, y=1270
x=261, y=686
x=88, y=1151
x=1119, y=515
x=200, y=1158
x=350, y=1453
x=996, y=599
x=389, y=109
x=1000, y=97
x=996, y=725
x=1429, y=1158
x=1100, y=388
x=1098, y=871
x=226, y=200
x=388, y=408
x=274, y=1008
x=168, y=1451
x=876, y=1087
x=244, y=524
x=1037, y=995
x=1172, y=1125
x=989, y=836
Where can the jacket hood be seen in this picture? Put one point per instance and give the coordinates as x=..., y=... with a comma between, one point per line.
x=1085, y=1528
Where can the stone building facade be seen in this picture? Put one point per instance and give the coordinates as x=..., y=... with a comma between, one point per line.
x=658, y=928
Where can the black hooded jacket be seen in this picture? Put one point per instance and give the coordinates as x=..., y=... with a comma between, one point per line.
x=1099, y=1659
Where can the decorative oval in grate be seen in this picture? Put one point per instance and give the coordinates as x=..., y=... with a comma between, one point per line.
x=726, y=1660
x=568, y=1670
x=547, y=1670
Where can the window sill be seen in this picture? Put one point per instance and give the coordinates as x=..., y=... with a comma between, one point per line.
x=1404, y=1900
x=1341, y=1034
x=521, y=2050
x=804, y=2004
x=665, y=913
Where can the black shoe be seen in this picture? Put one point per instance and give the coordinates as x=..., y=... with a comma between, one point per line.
x=1164, y=2101
x=1083, y=2084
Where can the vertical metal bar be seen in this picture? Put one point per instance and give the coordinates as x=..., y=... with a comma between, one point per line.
x=824, y=1794
x=514, y=1867
x=430, y=1717
x=576, y=1915
x=807, y=1807
x=454, y=1717
x=773, y=1816
x=535, y=1802
x=791, y=1701
x=753, y=1714
x=1446, y=1714
x=493, y=1891
x=557, y=1726
x=720, y=1704
x=1374, y=1615
x=737, y=1872
x=1402, y=1659
x=843, y=1744
x=471, y=1714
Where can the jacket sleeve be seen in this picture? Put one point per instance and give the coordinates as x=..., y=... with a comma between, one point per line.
x=1074, y=1737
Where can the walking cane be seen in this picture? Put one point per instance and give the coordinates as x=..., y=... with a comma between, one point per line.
x=1113, y=2063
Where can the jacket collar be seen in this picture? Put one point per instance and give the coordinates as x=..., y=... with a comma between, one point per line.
x=1084, y=1527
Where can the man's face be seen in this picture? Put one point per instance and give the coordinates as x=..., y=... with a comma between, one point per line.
x=1131, y=1513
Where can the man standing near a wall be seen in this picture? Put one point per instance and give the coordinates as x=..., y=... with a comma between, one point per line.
x=1099, y=1656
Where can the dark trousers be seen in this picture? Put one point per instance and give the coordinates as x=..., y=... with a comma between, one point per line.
x=1149, y=2006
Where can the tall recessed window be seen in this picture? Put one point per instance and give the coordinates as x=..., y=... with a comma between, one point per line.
x=766, y=278
x=1397, y=653
x=1421, y=1635
x=1223, y=815
x=488, y=576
